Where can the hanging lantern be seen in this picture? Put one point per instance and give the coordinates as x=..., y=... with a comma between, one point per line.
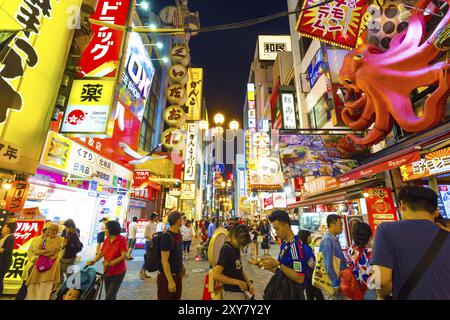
x=174, y=116
x=176, y=95
x=180, y=55
x=172, y=138
x=178, y=74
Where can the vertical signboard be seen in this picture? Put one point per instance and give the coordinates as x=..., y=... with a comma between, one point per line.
x=288, y=106
x=26, y=231
x=31, y=73
x=194, y=94
x=380, y=206
x=191, y=152
x=251, y=105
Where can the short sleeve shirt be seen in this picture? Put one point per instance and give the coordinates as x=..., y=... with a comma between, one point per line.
x=112, y=250
x=172, y=242
x=132, y=230
x=400, y=246
x=230, y=260
x=291, y=255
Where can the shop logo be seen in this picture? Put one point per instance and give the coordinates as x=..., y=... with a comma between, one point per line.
x=76, y=117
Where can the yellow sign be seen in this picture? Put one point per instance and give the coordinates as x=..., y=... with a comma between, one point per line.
x=187, y=191
x=57, y=152
x=195, y=94
x=89, y=107
x=32, y=71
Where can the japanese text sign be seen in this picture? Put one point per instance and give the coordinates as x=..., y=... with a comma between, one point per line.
x=31, y=72
x=380, y=206
x=337, y=22
x=434, y=163
x=89, y=106
x=101, y=57
x=190, y=156
x=9, y=153
x=194, y=94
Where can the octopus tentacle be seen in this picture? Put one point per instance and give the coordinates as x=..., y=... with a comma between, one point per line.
x=383, y=125
x=364, y=120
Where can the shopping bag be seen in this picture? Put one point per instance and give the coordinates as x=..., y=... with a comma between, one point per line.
x=320, y=278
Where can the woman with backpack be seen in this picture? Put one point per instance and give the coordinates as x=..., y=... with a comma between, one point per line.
x=72, y=245
x=359, y=256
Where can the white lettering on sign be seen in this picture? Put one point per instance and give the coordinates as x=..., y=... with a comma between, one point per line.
x=138, y=76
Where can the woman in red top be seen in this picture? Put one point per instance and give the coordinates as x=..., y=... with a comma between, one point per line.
x=114, y=251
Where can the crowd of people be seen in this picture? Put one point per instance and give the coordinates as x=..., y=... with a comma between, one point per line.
x=408, y=259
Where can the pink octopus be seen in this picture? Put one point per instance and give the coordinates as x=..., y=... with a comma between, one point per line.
x=388, y=78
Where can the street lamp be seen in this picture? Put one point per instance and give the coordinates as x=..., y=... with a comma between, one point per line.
x=234, y=125
x=144, y=5
x=203, y=125
x=219, y=119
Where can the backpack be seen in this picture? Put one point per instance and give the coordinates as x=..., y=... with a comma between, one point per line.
x=152, y=257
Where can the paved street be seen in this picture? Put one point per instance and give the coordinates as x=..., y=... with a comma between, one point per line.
x=133, y=288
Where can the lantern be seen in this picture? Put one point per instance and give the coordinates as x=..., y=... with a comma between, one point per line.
x=176, y=95
x=174, y=116
x=172, y=138
x=178, y=74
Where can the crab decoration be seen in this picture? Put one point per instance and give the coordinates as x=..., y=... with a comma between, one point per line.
x=387, y=79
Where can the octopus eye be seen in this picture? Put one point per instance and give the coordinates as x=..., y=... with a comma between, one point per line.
x=358, y=57
x=348, y=81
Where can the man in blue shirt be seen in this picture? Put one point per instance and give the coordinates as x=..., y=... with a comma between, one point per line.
x=291, y=260
x=331, y=250
x=211, y=227
x=399, y=246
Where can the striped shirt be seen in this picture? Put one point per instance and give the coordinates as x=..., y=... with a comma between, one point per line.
x=291, y=255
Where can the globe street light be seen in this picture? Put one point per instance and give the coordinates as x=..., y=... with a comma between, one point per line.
x=219, y=119
x=144, y=5
x=203, y=125
x=234, y=125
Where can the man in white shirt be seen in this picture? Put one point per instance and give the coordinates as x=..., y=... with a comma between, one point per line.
x=132, y=230
x=150, y=230
x=160, y=226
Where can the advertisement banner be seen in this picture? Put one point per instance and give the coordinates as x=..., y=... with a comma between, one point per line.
x=195, y=94
x=140, y=239
x=316, y=68
x=279, y=200
x=89, y=106
x=267, y=200
x=187, y=191
x=434, y=163
x=31, y=74
x=190, y=156
x=337, y=23
x=16, y=196
x=171, y=202
x=101, y=57
x=380, y=206
x=269, y=46
x=318, y=155
x=265, y=173
x=82, y=162
x=26, y=231
x=251, y=105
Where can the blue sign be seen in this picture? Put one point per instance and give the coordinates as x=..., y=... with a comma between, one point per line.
x=218, y=167
x=315, y=68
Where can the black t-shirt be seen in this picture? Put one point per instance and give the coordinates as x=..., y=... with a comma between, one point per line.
x=173, y=242
x=6, y=256
x=230, y=260
x=72, y=243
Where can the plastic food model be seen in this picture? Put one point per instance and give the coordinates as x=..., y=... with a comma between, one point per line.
x=388, y=78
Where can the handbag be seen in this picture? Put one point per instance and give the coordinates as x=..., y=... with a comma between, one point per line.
x=320, y=277
x=44, y=263
x=350, y=286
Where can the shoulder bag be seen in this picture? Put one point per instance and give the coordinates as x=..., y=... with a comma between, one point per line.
x=44, y=263
x=423, y=264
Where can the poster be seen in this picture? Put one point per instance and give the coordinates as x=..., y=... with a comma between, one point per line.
x=318, y=155
x=26, y=231
x=265, y=173
x=380, y=206
x=140, y=239
x=434, y=163
x=31, y=67
x=337, y=22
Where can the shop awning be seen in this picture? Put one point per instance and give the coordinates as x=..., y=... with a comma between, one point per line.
x=385, y=163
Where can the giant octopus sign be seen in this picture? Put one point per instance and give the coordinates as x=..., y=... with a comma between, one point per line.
x=387, y=78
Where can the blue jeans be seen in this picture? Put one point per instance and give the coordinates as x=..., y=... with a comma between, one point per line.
x=147, y=243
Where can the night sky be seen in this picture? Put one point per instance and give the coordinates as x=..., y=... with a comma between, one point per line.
x=226, y=56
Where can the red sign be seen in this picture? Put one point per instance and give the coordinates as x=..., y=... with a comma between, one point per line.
x=384, y=166
x=26, y=231
x=16, y=196
x=380, y=206
x=337, y=23
x=101, y=57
